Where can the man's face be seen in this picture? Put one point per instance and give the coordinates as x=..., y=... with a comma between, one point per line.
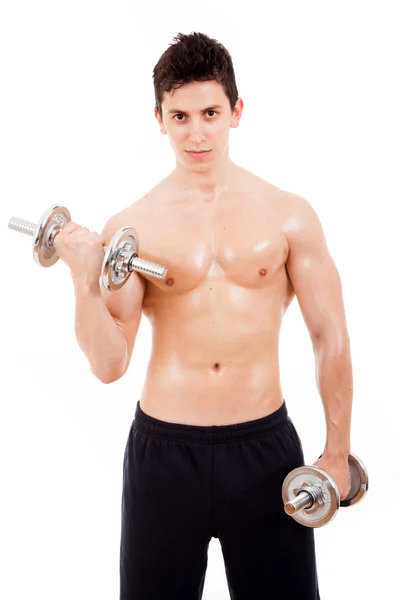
x=198, y=116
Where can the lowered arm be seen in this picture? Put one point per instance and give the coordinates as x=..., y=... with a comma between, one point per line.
x=317, y=285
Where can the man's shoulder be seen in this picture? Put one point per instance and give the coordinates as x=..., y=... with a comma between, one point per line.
x=128, y=216
x=294, y=213
x=257, y=185
x=140, y=213
x=138, y=208
x=156, y=194
x=297, y=205
x=291, y=203
x=300, y=219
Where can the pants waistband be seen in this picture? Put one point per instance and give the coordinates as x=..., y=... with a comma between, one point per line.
x=209, y=433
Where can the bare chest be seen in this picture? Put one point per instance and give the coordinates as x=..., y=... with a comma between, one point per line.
x=235, y=239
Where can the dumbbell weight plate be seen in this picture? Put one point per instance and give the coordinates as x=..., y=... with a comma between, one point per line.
x=359, y=481
x=323, y=512
x=115, y=271
x=55, y=216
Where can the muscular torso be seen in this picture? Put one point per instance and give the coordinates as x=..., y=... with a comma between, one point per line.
x=216, y=317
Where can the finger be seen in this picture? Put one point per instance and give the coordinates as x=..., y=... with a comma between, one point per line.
x=70, y=227
x=80, y=231
x=96, y=237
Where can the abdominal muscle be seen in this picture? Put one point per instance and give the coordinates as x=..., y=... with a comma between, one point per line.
x=224, y=393
x=214, y=368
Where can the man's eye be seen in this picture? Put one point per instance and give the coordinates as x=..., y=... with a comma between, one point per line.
x=181, y=115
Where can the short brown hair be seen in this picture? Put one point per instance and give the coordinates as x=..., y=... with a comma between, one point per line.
x=195, y=57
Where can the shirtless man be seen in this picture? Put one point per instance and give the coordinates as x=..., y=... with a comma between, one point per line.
x=211, y=441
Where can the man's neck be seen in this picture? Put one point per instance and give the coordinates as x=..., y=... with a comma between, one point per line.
x=209, y=184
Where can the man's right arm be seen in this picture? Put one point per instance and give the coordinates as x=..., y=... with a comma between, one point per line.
x=106, y=323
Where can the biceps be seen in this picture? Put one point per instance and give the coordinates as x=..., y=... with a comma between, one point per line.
x=318, y=288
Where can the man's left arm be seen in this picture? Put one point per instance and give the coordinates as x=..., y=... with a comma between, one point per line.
x=318, y=288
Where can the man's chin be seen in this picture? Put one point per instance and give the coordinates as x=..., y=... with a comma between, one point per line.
x=195, y=164
x=198, y=168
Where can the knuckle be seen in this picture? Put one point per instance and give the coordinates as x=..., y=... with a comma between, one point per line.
x=94, y=241
x=70, y=226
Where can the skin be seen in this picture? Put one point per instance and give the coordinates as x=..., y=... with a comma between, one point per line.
x=238, y=249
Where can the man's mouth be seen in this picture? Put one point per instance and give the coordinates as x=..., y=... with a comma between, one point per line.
x=198, y=153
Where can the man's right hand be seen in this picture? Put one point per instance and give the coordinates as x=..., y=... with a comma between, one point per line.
x=83, y=251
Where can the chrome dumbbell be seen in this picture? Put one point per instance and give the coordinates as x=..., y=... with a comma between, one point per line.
x=120, y=257
x=312, y=498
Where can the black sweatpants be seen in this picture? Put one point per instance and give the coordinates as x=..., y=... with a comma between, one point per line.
x=183, y=484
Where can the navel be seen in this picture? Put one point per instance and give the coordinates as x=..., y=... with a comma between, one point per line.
x=216, y=367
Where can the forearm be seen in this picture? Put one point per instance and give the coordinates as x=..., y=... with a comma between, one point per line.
x=98, y=335
x=334, y=379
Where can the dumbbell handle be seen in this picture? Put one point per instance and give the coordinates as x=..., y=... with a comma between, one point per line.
x=302, y=500
x=135, y=262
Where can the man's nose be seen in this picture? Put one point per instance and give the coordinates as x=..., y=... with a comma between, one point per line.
x=197, y=135
x=197, y=138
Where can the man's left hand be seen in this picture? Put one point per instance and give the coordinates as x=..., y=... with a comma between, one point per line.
x=338, y=469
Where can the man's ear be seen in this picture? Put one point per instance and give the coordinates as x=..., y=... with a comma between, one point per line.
x=159, y=121
x=237, y=113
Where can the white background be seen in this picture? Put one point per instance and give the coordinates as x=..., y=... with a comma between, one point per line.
x=321, y=119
